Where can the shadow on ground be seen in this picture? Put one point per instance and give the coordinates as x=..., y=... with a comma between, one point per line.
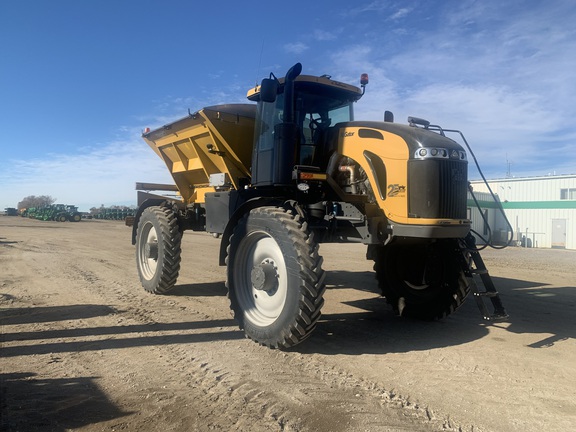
x=31, y=404
x=115, y=337
x=208, y=289
x=40, y=314
x=534, y=307
x=371, y=328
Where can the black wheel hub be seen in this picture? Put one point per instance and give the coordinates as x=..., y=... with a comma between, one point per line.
x=264, y=276
x=151, y=251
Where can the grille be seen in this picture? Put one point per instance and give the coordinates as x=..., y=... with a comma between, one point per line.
x=437, y=189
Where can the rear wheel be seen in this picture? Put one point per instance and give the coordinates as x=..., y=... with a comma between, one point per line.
x=158, y=246
x=422, y=280
x=274, y=277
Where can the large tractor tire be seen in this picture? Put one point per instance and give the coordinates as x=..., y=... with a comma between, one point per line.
x=61, y=218
x=274, y=277
x=422, y=280
x=76, y=217
x=158, y=246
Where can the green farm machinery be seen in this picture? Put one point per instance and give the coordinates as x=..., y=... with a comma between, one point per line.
x=114, y=213
x=54, y=212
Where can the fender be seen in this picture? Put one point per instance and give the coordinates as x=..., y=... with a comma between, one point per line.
x=148, y=203
x=238, y=214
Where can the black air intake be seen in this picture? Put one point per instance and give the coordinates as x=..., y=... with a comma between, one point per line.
x=437, y=189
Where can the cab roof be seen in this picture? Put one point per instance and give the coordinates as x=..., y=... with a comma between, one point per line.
x=354, y=92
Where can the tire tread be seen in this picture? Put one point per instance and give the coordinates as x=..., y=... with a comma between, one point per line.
x=312, y=277
x=171, y=241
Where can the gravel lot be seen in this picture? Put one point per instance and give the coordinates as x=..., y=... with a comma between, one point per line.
x=84, y=348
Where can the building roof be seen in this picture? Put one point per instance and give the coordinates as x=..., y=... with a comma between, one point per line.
x=518, y=179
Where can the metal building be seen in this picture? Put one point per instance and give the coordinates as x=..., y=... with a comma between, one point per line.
x=541, y=210
x=488, y=223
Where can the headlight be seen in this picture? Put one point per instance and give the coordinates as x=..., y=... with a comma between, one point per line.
x=434, y=153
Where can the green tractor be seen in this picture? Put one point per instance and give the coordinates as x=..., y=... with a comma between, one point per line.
x=57, y=212
x=63, y=213
x=73, y=214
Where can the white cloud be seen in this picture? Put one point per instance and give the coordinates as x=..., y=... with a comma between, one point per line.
x=400, y=13
x=295, y=48
x=389, y=9
x=104, y=175
x=503, y=75
x=351, y=59
x=374, y=6
x=322, y=35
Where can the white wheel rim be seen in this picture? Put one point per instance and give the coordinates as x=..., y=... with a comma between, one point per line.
x=148, y=264
x=262, y=305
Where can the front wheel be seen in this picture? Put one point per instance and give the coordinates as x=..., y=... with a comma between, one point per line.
x=274, y=277
x=158, y=246
x=423, y=280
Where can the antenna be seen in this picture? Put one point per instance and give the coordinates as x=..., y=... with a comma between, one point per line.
x=508, y=166
x=259, y=63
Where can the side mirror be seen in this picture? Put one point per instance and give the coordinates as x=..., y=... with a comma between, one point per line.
x=268, y=90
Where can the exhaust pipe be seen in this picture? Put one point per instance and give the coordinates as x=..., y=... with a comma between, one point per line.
x=286, y=133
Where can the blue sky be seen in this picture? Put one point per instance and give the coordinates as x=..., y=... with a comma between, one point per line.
x=79, y=80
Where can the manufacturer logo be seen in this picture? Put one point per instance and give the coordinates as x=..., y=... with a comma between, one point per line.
x=396, y=189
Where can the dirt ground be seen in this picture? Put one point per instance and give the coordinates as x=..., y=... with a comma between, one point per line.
x=83, y=347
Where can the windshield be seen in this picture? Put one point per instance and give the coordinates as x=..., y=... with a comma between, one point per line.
x=317, y=108
x=315, y=113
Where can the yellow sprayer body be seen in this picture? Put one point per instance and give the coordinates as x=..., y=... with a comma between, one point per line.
x=215, y=140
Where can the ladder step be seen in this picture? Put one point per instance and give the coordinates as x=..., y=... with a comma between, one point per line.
x=497, y=317
x=486, y=293
x=479, y=272
x=477, y=267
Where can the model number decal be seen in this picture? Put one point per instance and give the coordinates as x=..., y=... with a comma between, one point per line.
x=396, y=189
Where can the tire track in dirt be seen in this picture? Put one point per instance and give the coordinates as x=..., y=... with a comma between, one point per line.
x=311, y=387
x=196, y=373
x=173, y=377
x=198, y=368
